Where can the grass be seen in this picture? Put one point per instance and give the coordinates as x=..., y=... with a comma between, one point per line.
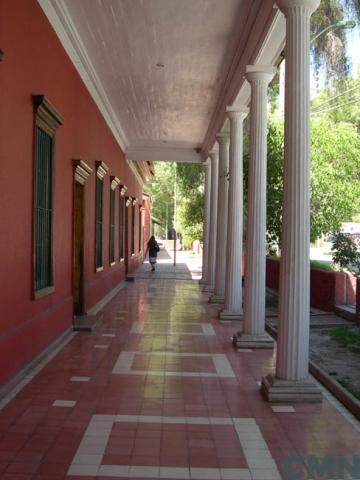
x=347, y=337
x=353, y=390
x=321, y=264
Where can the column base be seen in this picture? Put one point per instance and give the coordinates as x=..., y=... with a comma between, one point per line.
x=276, y=390
x=208, y=289
x=245, y=340
x=230, y=315
x=216, y=299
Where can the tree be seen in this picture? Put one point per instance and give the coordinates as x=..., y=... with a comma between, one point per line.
x=189, y=198
x=191, y=201
x=161, y=190
x=346, y=253
x=329, y=48
x=335, y=185
x=339, y=102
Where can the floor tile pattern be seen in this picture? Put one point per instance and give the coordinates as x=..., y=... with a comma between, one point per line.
x=158, y=391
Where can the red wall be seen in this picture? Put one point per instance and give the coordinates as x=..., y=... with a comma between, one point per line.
x=322, y=284
x=35, y=63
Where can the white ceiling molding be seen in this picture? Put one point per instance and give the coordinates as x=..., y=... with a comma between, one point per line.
x=59, y=18
x=164, y=154
x=266, y=51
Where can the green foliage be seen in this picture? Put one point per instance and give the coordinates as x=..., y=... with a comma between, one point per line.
x=340, y=102
x=189, y=198
x=274, y=193
x=161, y=189
x=346, y=253
x=328, y=49
x=335, y=168
x=191, y=202
x=322, y=265
x=335, y=186
x=347, y=337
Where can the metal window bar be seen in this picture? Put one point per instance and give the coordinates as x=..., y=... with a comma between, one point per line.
x=99, y=222
x=122, y=226
x=140, y=230
x=132, y=229
x=112, y=227
x=43, y=209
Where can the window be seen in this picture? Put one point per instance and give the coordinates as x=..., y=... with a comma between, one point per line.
x=140, y=229
x=122, y=226
x=132, y=229
x=114, y=183
x=101, y=171
x=47, y=120
x=112, y=227
x=99, y=222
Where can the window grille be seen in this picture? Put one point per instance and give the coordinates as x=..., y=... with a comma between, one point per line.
x=112, y=226
x=99, y=222
x=132, y=229
x=43, y=209
x=140, y=230
x=47, y=120
x=122, y=227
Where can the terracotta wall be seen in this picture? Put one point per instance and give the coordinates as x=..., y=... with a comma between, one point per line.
x=327, y=289
x=35, y=63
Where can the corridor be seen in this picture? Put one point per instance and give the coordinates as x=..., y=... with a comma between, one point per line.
x=158, y=391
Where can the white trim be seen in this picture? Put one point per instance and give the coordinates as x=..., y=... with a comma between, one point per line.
x=166, y=154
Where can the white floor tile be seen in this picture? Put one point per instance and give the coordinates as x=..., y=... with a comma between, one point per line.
x=64, y=403
x=283, y=409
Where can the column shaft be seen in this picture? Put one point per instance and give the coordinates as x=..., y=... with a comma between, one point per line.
x=221, y=234
x=233, y=279
x=211, y=258
x=291, y=380
x=207, y=167
x=254, y=295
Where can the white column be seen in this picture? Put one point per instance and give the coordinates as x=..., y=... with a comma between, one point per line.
x=254, y=334
x=291, y=381
x=221, y=235
x=233, y=278
x=204, y=277
x=210, y=285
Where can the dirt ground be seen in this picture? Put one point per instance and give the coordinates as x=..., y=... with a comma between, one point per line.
x=336, y=360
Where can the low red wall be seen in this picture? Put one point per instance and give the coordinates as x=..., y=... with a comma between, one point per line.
x=327, y=289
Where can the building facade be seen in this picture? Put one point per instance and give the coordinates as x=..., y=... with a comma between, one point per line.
x=72, y=222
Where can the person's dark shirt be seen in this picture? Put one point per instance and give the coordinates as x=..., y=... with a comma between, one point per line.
x=153, y=250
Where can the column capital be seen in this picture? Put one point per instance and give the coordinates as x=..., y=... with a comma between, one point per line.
x=262, y=73
x=213, y=154
x=292, y=6
x=223, y=138
x=237, y=111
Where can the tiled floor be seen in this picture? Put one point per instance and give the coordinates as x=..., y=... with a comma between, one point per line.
x=158, y=391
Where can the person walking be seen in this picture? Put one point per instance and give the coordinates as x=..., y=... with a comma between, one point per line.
x=153, y=249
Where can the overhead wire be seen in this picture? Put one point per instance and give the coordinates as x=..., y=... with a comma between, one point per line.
x=318, y=107
x=333, y=107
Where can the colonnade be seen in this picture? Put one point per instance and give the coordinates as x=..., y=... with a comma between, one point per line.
x=223, y=244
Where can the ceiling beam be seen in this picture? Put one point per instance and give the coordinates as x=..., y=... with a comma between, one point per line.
x=163, y=154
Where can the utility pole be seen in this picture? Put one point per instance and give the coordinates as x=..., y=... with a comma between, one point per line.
x=175, y=230
x=166, y=223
